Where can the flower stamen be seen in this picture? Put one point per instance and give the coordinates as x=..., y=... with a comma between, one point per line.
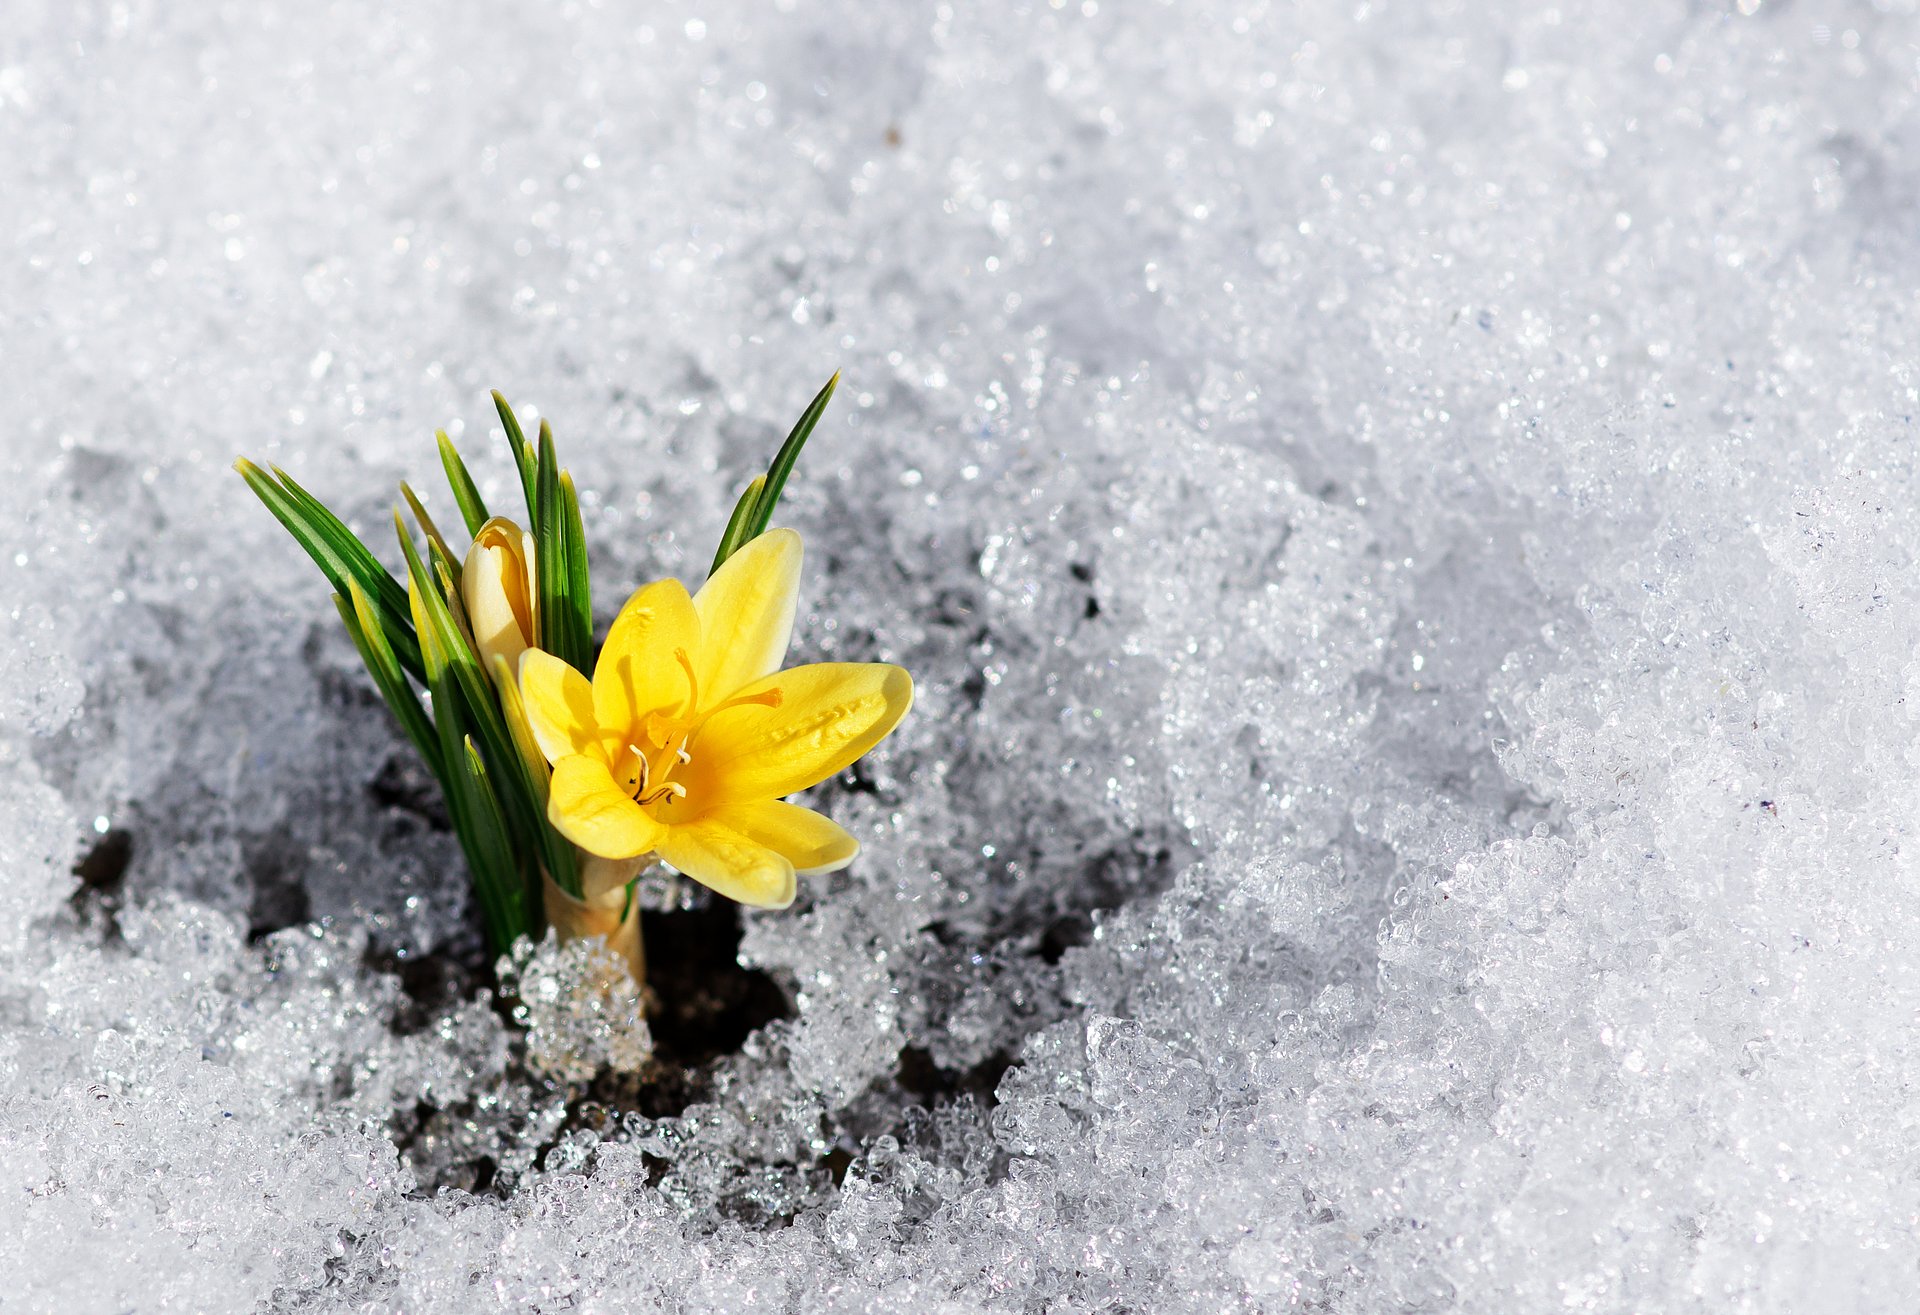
x=640, y=785
x=672, y=789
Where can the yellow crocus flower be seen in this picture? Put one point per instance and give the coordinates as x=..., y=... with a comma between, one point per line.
x=500, y=591
x=690, y=734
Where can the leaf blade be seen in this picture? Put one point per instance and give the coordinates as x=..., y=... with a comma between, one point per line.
x=339, y=554
x=523, y=458
x=734, y=537
x=565, y=631
x=466, y=494
x=363, y=627
x=785, y=459
x=579, y=583
x=525, y=815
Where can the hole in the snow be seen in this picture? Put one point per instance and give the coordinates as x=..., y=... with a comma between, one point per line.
x=707, y=1003
x=404, y=782
x=705, y=1006
x=103, y=871
x=431, y=984
x=280, y=897
x=104, y=866
x=921, y=1075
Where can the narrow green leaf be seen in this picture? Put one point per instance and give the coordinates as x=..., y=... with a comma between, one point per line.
x=384, y=589
x=473, y=508
x=535, y=841
x=557, y=855
x=447, y=576
x=479, y=820
x=506, y=885
x=364, y=629
x=579, y=584
x=783, y=461
x=339, y=554
x=561, y=864
x=522, y=455
x=432, y=531
x=736, y=532
x=565, y=631
x=549, y=551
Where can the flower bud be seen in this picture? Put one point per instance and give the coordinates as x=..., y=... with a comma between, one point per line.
x=497, y=584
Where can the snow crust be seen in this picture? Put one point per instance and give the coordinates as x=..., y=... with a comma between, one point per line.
x=1402, y=517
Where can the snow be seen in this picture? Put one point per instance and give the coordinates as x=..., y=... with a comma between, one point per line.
x=1401, y=517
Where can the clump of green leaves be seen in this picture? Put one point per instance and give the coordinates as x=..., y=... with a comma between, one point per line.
x=415, y=637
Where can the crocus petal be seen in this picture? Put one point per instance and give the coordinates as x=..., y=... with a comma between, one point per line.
x=746, y=614
x=637, y=672
x=812, y=843
x=723, y=860
x=494, y=585
x=559, y=705
x=588, y=808
x=829, y=714
x=496, y=630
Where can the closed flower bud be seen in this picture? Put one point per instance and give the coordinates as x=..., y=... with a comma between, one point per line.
x=497, y=584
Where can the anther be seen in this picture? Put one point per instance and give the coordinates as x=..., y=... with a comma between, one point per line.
x=671, y=788
x=641, y=784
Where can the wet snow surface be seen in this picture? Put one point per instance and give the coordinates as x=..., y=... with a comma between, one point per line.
x=1402, y=517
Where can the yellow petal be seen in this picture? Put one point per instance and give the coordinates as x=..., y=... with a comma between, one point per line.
x=559, y=705
x=812, y=843
x=723, y=860
x=746, y=614
x=496, y=586
x=829, y=714
x=586, y=807
x=514, y=709
x=637, y=673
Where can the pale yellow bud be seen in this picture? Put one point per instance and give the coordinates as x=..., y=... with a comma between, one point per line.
x=500, y=591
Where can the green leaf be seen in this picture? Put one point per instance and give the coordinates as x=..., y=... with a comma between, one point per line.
x=509, y=888
x=446, y=573
x=473, y=508
x=339, y=554
x=736, y=533
x=522, y=455
x=518, y=794
x=480, y=821
x=438, y=544
x=364, y=628
x=579, y=584
x=783, y=461
x=566, y=620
